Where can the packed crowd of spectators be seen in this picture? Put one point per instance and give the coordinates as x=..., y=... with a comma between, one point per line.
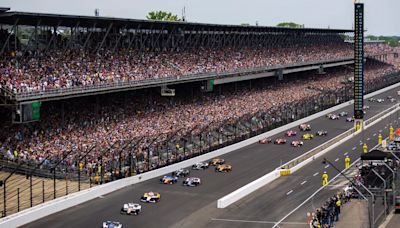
x=81, y=128
x=40, y=71
x=56, y=69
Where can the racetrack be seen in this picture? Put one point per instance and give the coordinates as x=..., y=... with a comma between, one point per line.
x=195, y=207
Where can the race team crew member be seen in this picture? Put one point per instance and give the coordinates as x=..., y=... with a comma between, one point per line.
x=365, y=148
x=347, y=162
x=324, y=179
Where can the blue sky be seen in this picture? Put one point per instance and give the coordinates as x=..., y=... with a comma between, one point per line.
x=381, y=15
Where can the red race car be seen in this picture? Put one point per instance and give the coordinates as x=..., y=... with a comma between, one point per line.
x=265, y=141
x=291, y=133
x=297, y=143
x=280, y=141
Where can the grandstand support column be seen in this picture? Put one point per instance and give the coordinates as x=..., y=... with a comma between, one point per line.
x=89, y=35
x=53, y=35
x=30, y=37
x=118, y=39
x=104, y=38
x=13, y=29
x=72, y=34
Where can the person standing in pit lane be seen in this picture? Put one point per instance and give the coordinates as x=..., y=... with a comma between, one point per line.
x=324, y=179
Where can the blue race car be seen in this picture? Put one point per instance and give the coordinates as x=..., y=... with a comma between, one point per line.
x=112, y=224
x=169, y=180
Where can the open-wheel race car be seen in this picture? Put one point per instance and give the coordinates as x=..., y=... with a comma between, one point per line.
x=192, y=181
x=321, y=133
x=265, y=141
x=131, y=209
x=297, y=143
x=280, y=141
x=305, y=127
x=291, y=133
x=200, y=166
x=308, y=136
x=217, y=161
x=150, y=197
x=223, y=168
x=169, y=179
x=112, y=224
x=181, y=173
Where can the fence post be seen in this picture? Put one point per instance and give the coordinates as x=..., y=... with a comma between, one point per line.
x=66, y=184
x=30, y=190
x=4, y=200
x=54, y=182
x=79, y=179
x=43, y=191
x=18, y=199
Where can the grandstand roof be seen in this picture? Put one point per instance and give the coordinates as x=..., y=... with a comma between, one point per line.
x=31, y=19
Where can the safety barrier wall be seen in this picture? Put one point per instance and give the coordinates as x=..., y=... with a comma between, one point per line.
x=74, y=199
x=247, y=189
x=299, y=162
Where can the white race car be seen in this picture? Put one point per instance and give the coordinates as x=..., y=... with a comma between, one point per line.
x=181, y=173
x=200, y=166
x=332, y=116
x=192, y=181
x=131, y=209
x=112, y=224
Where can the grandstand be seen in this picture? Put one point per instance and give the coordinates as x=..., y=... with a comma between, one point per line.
x=104, y=98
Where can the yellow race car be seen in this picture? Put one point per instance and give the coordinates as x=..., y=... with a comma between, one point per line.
x=150, y=197
x=308, y=136
x=223, y=168
x=217, y=161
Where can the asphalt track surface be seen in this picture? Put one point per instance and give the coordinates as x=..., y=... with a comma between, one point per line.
x=196, y=206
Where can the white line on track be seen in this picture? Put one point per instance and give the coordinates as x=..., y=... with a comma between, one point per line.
x=337, y=159
x=345, y=153
x=289, y=192
x=361, y=144
x=380, y=131
x=368, y=139
x=315, y=174
x=385, y=127
x=327, y=166
x=305, y=201
x=312, y=195
x=374, y=134
x=303, y=182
